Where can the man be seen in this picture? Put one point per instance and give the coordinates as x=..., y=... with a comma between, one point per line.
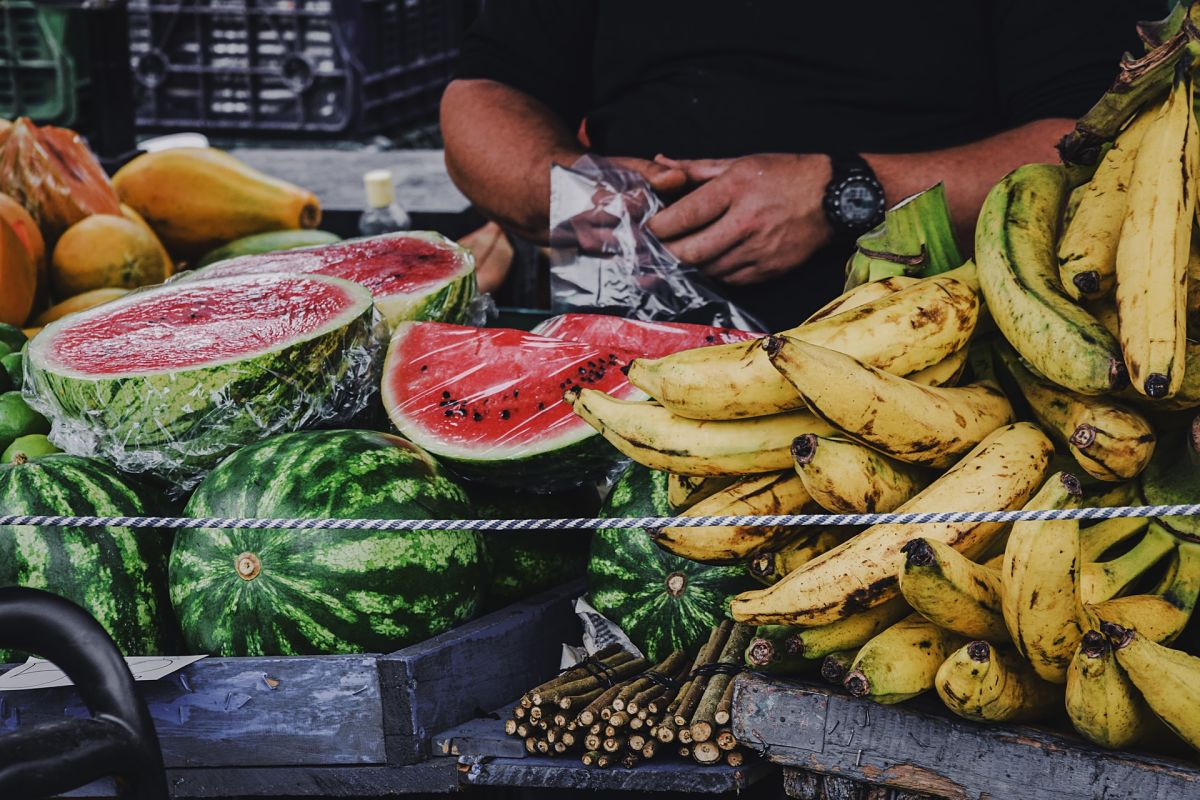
x=780, y=130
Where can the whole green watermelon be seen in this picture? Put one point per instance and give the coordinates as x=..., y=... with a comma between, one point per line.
x=244, y=592
x=660, y=600
x=521, y=563
x=117, y=574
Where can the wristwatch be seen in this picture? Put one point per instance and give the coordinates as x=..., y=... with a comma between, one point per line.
x=854, y=200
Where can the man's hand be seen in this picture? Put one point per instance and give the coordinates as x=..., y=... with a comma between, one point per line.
x=750, y=219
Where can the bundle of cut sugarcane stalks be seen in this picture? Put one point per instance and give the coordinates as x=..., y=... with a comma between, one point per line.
x=620, y=710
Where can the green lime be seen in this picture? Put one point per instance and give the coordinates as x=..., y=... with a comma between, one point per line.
x=14, y=365
x=18, y=419
x=35, y=445
x=12, y=336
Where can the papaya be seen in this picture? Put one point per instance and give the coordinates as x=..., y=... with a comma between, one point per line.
x=134, y=216
x=198, y=198
x=105, y=250
x=54, y=176
x=18, y=277
x=80, y=302
x=27, y=231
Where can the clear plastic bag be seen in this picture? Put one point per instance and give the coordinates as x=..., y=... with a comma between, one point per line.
x=604, y=259
x=107, y=392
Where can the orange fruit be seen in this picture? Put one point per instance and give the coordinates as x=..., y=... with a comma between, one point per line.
x=106, y=250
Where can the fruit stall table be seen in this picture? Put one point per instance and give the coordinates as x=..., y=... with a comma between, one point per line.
x=918, y=750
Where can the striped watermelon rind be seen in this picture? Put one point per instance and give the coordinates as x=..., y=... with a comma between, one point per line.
x=118, y=574
x=178, y=424
x=322, y=592
x=660, y=600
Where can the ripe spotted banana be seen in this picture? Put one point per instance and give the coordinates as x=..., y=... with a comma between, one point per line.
x=1169, y=680
x=654, y=437
x=1188, y=395
x=1001, y=473
x=947, y=588
x=909, y=422
x=861, y=295
x=769, y=566
x=902, y=661
x=853, y=631
x=1152, y=253
x=944, y=373
x=1103, y=580
x=774, y=493
x=1104, y=706
x=1160, y=617
x=684, y=491
x=979, y=682
x=845, y=477
x=1110, y=441
x=1040, y=580
x=1087, y=252
x=1018, y=273
x=902, y=332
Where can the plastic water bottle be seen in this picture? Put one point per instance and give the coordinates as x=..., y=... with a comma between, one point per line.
x=382, y=214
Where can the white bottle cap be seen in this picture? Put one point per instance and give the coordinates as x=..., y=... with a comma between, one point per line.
x=380, y=192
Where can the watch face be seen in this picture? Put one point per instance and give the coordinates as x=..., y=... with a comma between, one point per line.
x=859, y=203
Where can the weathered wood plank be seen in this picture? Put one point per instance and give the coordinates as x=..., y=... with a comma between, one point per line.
x=225, y=712
x=478, y=737
x=924, y=751
x=665, y=775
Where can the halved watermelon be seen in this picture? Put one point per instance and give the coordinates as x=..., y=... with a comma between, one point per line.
x=172, y=379
x=488, y=401
x=417, y=275
x=647, y=339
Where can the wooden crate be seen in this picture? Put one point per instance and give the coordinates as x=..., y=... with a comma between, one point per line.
x=336, y=726
x=918, y=748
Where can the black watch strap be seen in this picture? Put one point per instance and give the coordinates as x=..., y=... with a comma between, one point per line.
x=849, y=169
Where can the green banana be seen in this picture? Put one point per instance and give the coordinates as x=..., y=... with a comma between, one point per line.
x=902, y=661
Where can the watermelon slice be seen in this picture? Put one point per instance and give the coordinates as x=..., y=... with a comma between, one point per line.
x=418, y=275
x=647, y=339
x=172, y=379
x=488, y=401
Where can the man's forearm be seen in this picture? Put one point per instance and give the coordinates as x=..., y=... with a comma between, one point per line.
x=500, y=144
x=968, y=171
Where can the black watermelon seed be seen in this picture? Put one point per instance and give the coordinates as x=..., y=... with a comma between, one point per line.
x=477, y=416
x=504, y=414
x=449, y=413
x=446, y=395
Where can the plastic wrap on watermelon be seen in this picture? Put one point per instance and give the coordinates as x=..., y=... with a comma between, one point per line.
x=171, y=379
x=604, y=259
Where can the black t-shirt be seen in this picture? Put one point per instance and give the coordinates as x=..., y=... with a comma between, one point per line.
x=706, y=79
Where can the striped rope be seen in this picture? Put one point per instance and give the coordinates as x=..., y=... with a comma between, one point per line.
x=654, y=523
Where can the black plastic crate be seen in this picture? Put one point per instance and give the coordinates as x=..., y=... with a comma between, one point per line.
x=306, y=66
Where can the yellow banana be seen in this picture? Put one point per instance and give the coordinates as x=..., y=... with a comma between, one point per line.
x=979, y=682
x=845, y=477
x=1087, y=252
x=1152, y=253
x=1111, y=442
x=1103, y=580
x=1188, y=395
x=1114, y=495
x=1160, y=617
x=861, y=295
x=944, y=373
x=852, y=631
x=1104, y=706
x=1001, y=473
x=687, y=490
x=654, y=437
x=1169, y=680
x=769, y=566
x=902, y=332
x=1094, y=540
x=912, y=423
x=774, y=493
x=902, y=661
x=1040, y=580
x=948, y=589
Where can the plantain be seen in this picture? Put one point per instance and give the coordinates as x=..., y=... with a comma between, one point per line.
x=1087, y=251
x=1172, y=478
x=1102, y=580
x=1169, y=680
x=979, y=682
x=1110, y=441
x=1152, y=253
x=944, y=373
x=1159, y=616
x=902, y=332
x=654, y=437
x=853, y=631
x=1040, y=580
x=1002, y=472
x=861, y=295
x=950, y=590
x=1095, y=539
x=684, y=491
x=1193, y=290
x=769, y=566
x=902, y=661
x=909, y=422
x=835, y=666
x=844, y=477
x=774, y=493
x=770, y=652
x=1014, y=251
x=1104, y=706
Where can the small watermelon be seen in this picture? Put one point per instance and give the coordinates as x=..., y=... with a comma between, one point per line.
x=117, y=574
x=488, y=402
x=417, y=275
x=647, y=339
x=246, y=592
x=172, y=379
x=660, y=600
x=524, y=562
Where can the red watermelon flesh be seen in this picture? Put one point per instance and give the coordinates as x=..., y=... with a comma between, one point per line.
x=489, y=401
x=647, y=339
